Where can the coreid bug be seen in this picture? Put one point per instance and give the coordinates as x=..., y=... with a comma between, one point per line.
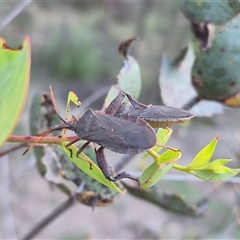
x=158, y=116
x=121, y=134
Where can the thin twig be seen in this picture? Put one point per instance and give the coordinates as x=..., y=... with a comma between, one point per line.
x=13, y=149
x=18, y=9
x=17, y=174
x=49, y=218
x=190, y=178
x=191, y=103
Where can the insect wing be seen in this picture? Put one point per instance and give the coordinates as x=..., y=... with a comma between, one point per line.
x=123, y=134
x=157, y=116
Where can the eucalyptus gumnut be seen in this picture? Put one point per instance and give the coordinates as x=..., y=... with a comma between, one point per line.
x=205, y=11
x=216, y=72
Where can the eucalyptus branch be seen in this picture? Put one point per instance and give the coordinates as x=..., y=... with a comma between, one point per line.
x=191, y=103
x=39, y=139
x=49, y=218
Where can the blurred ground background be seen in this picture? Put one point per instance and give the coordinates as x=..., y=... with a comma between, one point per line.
x=74, y=47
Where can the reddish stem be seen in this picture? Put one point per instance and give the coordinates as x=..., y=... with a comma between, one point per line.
x=39, y=139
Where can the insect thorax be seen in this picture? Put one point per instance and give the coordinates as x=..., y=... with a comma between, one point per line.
x=84, y=125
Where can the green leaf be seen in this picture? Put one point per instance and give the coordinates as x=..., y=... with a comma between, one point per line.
x=220, y=162
x=163, y=135
x=72, y=98
x=41, y=116
x=204, y=155
x=220, y=169
x=83, y=162
x=175, y=79
x=220, y=174
x=52, y=173
x=168, y=157
x=60, y=168
x=234, y=4
x=158, y=168
x=129, y=80
x=14, y=82
x=202, y=168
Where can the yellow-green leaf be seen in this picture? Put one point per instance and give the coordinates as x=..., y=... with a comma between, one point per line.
x=72, y=98
x=14, y=83
x=219, y=169
x=158, y=169
x=220, y=162
x=83, y=162
x=204, y=155
x=163, y=135
x=220, y=175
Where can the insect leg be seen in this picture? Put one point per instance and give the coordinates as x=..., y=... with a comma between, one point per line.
x=82, y=148
x=106, y=169
x=74, y=119
x=115, y=104
x=135, y=103
x=71, y=143
x=79, y=150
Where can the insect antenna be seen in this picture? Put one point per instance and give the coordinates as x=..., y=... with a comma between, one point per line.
x=59, y=128
x=53, y=100
x=64, y=121
x=167, y=147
